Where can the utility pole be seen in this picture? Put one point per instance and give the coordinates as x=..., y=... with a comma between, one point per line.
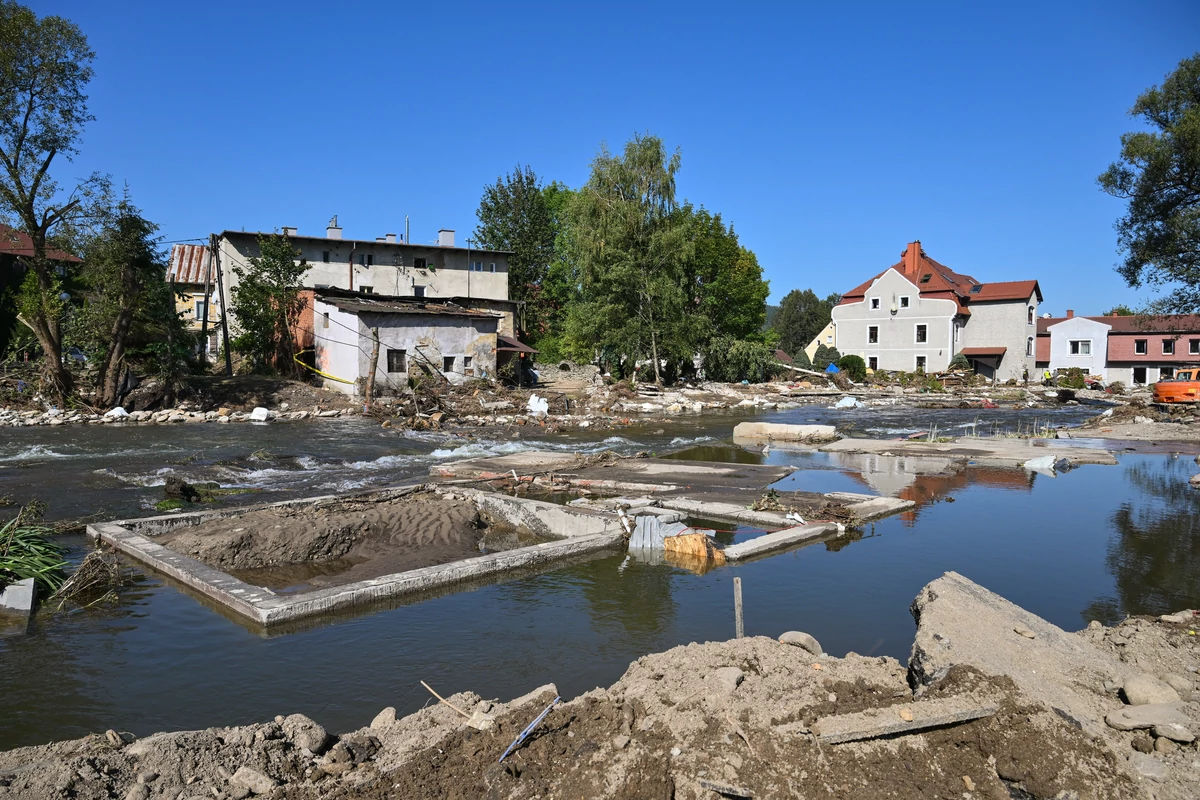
x=374, y=367
x=224, y=308
x=212, y=241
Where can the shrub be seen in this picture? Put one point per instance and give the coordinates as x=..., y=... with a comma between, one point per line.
x=960, y=362
x=731, y=360
x=802, y=360
x=1074, y=379
x=854, y=367
x=824, y=357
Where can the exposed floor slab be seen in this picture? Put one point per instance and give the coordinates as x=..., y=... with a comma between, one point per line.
x=770, y=542
x=997, y=452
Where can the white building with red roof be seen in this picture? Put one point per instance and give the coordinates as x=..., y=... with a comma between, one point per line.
x=919, y=314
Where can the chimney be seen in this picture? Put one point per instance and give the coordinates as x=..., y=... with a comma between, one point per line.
x=1070, y=314
x=332, y=231
x=381, y=238
x=390, y=237
x=445, y=237
x=290, y=230
x=912, y=257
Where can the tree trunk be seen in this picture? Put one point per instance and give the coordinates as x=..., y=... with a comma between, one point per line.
x=108, y=380
x=654, y=347
x=57, y=380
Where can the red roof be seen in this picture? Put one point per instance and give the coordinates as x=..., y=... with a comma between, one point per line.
x=939, y=282
x=983, y=351
x=1133, y=324
x=188, y=264
x=15, y=243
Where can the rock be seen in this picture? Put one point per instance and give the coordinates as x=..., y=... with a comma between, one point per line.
x=307, y=734
x=113, y=737
x=803, y=641
x=260, y=414
x=1179, y=684
x=139, y=791
x=1148, y=766
x=1028, y=634
x=1194, y=480
x=147, y=776
x=967, y=782
x=1140, y=420
x=254, y=780
x=1174, y=619
x=1164, y=745
x=1132, y=718
x=384, y=718
x=1095, y=625
x=620, y=742
x=223, y=411
x=1145, y=689
x=725, y=679
x=1142, y=743
x=1175, y=732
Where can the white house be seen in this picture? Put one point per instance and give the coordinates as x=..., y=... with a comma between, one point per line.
x=918, y=314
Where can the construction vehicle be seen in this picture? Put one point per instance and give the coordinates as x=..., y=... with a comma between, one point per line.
x=1183, y=388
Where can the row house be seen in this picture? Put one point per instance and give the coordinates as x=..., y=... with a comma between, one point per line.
x=919, y=314
x=1136, y=350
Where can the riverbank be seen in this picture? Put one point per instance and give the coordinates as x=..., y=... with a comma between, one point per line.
x=995, y=703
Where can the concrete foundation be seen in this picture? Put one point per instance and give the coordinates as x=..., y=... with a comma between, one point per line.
x=770, y=542
x=995, y=452
x=774, y=431
x=577, y=532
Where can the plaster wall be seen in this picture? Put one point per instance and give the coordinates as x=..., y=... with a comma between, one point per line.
x=427, y=339
x=897, y=348
x=1080, y=329
x=336, y=340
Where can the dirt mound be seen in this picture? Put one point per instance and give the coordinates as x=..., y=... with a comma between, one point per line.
x=345, y=541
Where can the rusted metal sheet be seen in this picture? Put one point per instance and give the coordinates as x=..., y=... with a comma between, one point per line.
x=189, y=264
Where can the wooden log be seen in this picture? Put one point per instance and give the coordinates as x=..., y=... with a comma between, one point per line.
x=739, y=629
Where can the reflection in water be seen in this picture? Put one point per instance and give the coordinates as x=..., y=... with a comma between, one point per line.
x=1155, y=552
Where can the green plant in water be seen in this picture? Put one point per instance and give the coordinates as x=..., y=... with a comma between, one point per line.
x=27, y=551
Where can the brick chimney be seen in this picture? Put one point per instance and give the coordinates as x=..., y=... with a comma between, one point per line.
x=1070, y=313
x=912, y=258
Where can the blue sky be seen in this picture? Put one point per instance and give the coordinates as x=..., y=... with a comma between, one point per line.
x=830, y=134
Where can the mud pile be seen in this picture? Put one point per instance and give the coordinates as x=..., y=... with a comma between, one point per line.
x=753, y=717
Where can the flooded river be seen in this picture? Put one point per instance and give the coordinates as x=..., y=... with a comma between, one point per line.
x=1095, y=543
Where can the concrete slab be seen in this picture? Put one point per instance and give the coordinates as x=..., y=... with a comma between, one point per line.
x=770, y=542
x=916, y=716
x=998, y=452
x=19, y=597
x=775, y=431
x=578, y=532
x=878, y=507
x=528, y=463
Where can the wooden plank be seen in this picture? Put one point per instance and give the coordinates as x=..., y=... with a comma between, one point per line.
x=906, y=718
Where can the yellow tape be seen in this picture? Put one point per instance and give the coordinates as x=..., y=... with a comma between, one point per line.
x=296, y=358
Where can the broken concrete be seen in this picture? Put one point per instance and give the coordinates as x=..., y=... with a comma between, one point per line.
x=774, y=431
x=991, y=452
x=770, y=542
x=914, y=716
x=19, y=597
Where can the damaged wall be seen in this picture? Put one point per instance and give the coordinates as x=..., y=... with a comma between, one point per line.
x=427, y=340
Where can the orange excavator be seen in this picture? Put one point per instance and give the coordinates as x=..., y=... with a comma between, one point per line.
x=1183, y=388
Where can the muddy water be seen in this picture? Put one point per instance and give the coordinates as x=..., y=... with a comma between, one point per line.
x=1097, y=542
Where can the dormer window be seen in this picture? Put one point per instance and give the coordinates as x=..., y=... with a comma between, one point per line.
x=925, y=278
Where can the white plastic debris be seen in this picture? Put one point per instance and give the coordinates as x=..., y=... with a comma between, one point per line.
x=116, y=413
x=538, y=406
x=1047, y=465
x=849, y=402
x=793, y=516
x=1108, y=412
x=260, y=414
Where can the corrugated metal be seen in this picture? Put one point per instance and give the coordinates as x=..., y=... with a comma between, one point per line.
x=189, y=262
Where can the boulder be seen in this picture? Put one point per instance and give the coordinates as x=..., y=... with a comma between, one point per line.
x=803, y=641
x=384, y=718
x=256, y=781
x=1132, y=718
x=307, y=734
x=1145, y=689
x=260, y=414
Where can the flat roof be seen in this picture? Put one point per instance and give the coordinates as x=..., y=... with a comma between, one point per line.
x=256, y=234
x=363, y=304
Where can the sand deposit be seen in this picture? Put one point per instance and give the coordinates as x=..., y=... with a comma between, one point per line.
x=338, y=542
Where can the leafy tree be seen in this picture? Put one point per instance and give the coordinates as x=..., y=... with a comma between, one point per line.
x=825, y=356
x=724, y=279
x=730, y=360
x=1159, y=174
x=267, y=305
x=130, y=310
x=1120, y=311
x=45, y=65
x=802, y=315
x=630, y=252
x=560, y=288
x=802, y=360
x=854, y=367
x=516, y=213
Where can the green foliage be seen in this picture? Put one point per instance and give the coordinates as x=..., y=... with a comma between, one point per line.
x=732, y=360
x=724, y=280
x=959, y=362
x=1120, y=311
x=801, y=316
x=1074, y=379
x=802, y=360
x=854, y=367
x=630, y=254
x=1158, y=173
x=27, y=551
x=267, y=305
x=824, y=357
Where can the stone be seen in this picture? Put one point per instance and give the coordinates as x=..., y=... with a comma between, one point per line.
x=384, y=718
x=113, y=737
x=148, y=776
x=1028, y=634
x=223, y=412
x=725, y=679
x=1164, y=745
x=307, y=734
x=802, y=640
x=1131, y=718
x=1179, y=684
x=1095, y=625
x=1173, y=619
x=1142, y=743
x=254, y=780
x=260, y=414
x=1141, y=690
x=967, y=782
x=1148, y=766
x=1175, y=732
x=139, y=791
x=620, y=742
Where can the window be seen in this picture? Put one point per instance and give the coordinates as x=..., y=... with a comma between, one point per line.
x=873, y=363
x=325, y=256
x=1080, y=347
x=1139, y=348
x=1030, y=318
x=1166, y=373
x=397, y=360
x=904, y=301
x=418, y=291
x=366, y=289
x=447, y=363
x=873, y=334
x=198, y=305
x=492, y=267
x=1168, y=347
x=1029, y=346
x=325, y=320
x=1194, y=347
x=467, y=368
x=922, y=334
x=419, y=263
x=366, y=259
x=921, y=363
x=476, y=266
x=874, y=303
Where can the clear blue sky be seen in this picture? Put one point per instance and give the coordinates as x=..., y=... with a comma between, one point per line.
x=829, y=134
